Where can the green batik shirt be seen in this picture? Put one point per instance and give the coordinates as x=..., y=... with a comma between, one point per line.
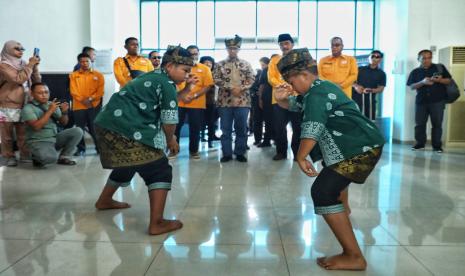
x=140, y=108
x=335, y=122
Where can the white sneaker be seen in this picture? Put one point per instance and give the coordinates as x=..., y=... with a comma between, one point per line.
x=25, y=160
x=12, y=162
x=195, y=155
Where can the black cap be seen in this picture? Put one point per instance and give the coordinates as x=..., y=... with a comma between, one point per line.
x=285, y=37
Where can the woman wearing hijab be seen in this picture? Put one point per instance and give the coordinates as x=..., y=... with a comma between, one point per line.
x=16, y=78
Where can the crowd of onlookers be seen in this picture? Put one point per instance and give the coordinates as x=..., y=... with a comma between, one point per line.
x=228, y=90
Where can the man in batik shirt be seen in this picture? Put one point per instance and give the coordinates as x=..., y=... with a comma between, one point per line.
x=234, y=77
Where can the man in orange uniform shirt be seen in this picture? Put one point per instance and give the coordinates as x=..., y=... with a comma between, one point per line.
x=132, y=65
x=281, y=116
x=343, y=71
x=86, y=87
x=338, y=68
x=194, y=104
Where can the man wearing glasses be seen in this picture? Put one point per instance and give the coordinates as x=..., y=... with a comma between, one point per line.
x=338, y=68
x=155, y=58
x=371, y=80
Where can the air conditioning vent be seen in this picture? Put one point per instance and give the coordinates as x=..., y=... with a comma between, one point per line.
x=458, y=55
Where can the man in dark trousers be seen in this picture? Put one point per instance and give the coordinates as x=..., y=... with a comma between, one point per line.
x=430, y=81
x=371, y=81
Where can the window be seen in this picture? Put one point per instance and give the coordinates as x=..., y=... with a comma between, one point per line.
x=274, y=18
x=235, y=18
x=336, y=20
x=177, y=23
x=149, y=25
x=207, y=22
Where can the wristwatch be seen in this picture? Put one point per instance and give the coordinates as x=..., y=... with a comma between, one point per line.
x=90, y=99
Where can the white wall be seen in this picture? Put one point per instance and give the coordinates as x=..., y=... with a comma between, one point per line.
x=404, y=28
x=111, y=23
x=58, y=27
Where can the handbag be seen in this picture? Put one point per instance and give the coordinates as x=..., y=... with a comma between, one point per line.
x=134, y=73
x=452, y=89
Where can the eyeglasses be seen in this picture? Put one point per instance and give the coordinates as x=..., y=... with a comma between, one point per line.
x=20, y=49
x=375, y=56
x=155, y=57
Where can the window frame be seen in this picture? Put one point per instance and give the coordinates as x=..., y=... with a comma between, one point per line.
x=315, y=49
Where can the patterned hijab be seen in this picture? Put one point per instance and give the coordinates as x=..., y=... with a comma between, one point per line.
x=7, y=55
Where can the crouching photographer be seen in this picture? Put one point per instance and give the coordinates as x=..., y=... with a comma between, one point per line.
x=42, y=117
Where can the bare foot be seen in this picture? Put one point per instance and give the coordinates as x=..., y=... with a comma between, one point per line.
x=164, y=226
x=113, y=204
x=342, y=262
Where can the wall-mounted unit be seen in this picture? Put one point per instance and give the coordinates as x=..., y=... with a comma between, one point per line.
x=454, y=132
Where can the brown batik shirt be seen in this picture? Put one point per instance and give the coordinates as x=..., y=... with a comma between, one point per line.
x=230, y=73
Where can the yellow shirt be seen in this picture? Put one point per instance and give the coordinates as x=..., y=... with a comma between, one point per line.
x=85, y=84
x=121, y=71
x=342, y=70
x=274, y=77
x=205, y=77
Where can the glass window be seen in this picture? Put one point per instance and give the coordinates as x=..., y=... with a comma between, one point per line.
x=364, y=25
x=149, y=25
x=274, y=18
x=307, y=25
x=208, y=22
x=205, y=25
x=181, y=31
x=336, y=19
x=235, y=18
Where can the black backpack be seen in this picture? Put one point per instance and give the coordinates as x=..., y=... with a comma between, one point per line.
x=453, y=92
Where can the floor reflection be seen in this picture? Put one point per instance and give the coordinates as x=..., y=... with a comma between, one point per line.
x=239, y=219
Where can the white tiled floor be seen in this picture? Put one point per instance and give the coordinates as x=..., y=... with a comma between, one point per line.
x=239, y=219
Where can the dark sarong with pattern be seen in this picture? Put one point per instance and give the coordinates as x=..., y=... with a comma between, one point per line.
x=117, y=151
x=358, y=168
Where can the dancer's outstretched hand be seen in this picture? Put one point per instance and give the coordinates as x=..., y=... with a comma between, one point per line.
x=307, y=168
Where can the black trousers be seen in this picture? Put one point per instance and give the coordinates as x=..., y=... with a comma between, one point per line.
x=435, y=111
x=281, y=117
x=210, y=121
x=267, y=113
x=195, y=120
x=326, y=191
x=85, y=118
x=157, y=175
x=257, y=120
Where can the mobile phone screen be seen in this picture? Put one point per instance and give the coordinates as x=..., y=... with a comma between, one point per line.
x=36, y=52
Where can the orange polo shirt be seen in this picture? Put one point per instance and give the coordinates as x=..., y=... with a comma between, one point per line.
x=121, y=71
x=342, y=70
x=205, y=77
x=85, y=84
x=274, y=76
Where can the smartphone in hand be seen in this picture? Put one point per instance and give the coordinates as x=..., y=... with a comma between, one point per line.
x=36, y=52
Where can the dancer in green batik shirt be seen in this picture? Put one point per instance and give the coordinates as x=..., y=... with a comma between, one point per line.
x=349, y=143
x=134, y=129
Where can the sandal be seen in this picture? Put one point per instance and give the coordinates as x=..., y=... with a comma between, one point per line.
x=66, y=161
